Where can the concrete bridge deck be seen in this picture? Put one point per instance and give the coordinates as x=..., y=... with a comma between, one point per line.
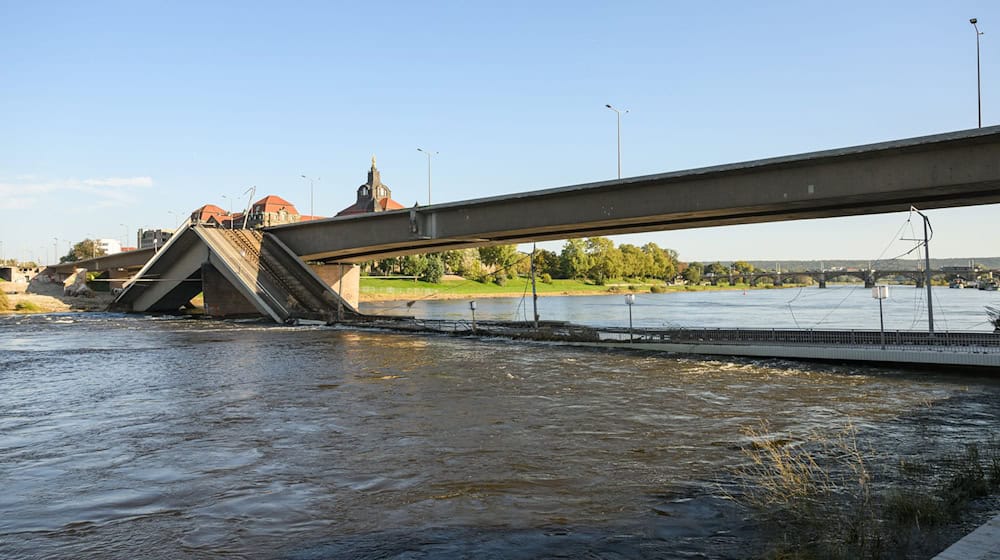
x=954, y=169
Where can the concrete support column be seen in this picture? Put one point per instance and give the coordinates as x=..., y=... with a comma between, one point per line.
x=117, y=278
x=822, y=281
x=920, y=282
x=343, y=278
x=222, y=299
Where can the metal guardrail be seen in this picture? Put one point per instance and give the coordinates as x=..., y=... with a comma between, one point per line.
x=974, y=341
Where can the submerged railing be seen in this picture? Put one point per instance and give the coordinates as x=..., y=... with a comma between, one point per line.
x=973, y=341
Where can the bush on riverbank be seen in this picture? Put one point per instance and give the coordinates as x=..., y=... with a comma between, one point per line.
x=831, y=498
x=27, y=307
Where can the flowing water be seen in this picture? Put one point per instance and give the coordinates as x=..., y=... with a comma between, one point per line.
x=125, y=436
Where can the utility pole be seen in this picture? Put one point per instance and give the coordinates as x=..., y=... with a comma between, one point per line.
x=534, y=292
x=928, y=233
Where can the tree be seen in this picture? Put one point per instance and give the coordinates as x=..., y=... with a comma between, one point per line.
x=414, y=265
x=500, y=258
x=574, y=261
x=86, y=249
x=693, y=273
x=547, y=262
x=664, y=261
x=605, y=260
x=743, y=267
x=434, y=269
x=636, y=263
x=717, y=269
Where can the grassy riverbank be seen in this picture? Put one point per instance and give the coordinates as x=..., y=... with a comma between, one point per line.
x=385, y=289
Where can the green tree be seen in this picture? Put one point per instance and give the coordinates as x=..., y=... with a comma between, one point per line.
x=717, y=269
x=500, y=258
x=86, y=249
x=413, y=265
x=434, y=269
x=574, y=261
x=547, y=262
x=605, y=260
x=743, y=267
x=636, y=263
x=693, y=273
x=664, y=261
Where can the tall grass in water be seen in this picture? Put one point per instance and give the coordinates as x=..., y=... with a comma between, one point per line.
x=831, y=498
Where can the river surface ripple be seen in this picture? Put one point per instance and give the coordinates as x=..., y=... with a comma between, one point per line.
x=140, y=437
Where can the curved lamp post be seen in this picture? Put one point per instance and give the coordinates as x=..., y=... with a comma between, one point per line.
x=428, y=152
x=979, y=91
x=619, y=113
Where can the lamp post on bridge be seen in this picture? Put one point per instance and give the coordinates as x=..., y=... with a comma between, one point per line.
x=428, y=152
x=979, y=91
x=472, y=307
x=619, y=113
x=312, y=211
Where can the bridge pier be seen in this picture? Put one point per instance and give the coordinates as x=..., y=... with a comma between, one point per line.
x=920, y=282
x=222, y=299
x=343, y=278
x=822, y=281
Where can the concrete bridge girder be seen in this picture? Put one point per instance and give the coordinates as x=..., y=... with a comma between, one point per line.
x=955, y=169
x=170, y=280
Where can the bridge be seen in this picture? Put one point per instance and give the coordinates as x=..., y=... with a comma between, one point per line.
x=945, y=170
x=869, y=276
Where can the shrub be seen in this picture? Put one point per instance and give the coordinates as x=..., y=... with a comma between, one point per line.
x=546, y=278
x=657, y=289
x=27, y=306
x=500, y=278
x=4, y=302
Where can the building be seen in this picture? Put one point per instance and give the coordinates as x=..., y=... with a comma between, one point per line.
x=272, y=210
x=373, y=196
x=153, y=238
x=210, y=214
x=109, y=246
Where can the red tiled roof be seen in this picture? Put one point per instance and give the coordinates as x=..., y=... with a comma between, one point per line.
x=390, y=204
x=274, y=203
x=208, y=212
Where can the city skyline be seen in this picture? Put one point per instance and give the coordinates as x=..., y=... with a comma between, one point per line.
x=127, y=117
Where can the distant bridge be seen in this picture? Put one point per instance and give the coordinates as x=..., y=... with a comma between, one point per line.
x=869, y=277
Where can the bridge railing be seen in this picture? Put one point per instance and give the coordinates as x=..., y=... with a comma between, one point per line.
x=974, y=341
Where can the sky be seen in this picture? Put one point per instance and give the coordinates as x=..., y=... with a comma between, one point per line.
x=116, y=116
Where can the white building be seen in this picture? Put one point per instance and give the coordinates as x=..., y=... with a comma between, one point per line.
x=110, y=246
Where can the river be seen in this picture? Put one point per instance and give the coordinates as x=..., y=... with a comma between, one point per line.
x=837, y=307
x=130, y=436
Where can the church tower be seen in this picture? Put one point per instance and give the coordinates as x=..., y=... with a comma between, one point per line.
x=373, y=196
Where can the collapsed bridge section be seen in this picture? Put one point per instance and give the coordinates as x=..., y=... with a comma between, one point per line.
x=241, y=273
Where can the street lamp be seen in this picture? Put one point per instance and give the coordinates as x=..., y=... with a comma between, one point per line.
x=979, y=91
x=881, y=292
x=428, y=171
x=472, y=307
x=630, y=301
x=619, y=113
x=310, y=179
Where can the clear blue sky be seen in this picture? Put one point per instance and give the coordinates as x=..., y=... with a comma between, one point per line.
x=120, y=115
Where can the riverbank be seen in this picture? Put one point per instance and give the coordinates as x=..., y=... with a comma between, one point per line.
x=394, y=289
x=48, y=298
